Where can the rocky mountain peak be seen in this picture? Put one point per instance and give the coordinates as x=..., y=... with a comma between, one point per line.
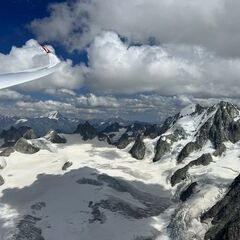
x=86, y=130
x=54, y=115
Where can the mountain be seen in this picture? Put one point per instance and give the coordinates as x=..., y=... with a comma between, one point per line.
x=179, y=180
x=41, y=125
x=54, y=115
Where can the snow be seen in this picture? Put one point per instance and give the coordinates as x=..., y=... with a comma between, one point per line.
x=39, y=178
x=30, y=179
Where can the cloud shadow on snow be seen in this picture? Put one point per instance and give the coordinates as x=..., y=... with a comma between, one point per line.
x=95, y=197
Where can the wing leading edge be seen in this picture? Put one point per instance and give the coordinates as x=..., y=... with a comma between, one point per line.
x=12, y=79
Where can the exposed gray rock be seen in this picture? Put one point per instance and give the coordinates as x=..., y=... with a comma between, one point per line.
x=54, y=137
x=187, y=150
x=163, y=146
x=12, y=135
x=204, y=160
x=138, y=149
x=188, y=192
x=66, y=165
x=104, y=137
x=153, y=131
x=23, y=146
x=198, y=109
x=29, y=134
x=114, y=127
x=89, y=181
x=124, y=140
x=165, y=142
x=221, y=126
x=97, y=215
x=181, y=173
x=225, y=215
x=220, y=150
x=27, y=229
x=38, y=206
x=87, y=131
x=1, y=180
x=7, y=152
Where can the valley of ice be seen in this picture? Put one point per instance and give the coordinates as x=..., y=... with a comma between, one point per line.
x=75, y=203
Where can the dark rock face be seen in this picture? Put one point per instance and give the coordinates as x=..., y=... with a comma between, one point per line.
x=198, y=109
x=103, y=137
x=165, y=142
x=23, y=146
x=27, y=229
x=7, y=152
x=89, y=181
x=225, y=215
x=181, y=173
x=38, y=206
x=66, y=165
x=187, y=193
x=114, y=127
x=162, y=147
x=136, y=128
x=97, y=215
x=54, y=137
x=116, y=134
x=12, y=135
x=29, y=134
x=204, y=160
x=124, y=140
x=220, y=150
x=187, y=150
x=153, y=131
x=222, y=126
x=1, y=180
x=138, y=149
x=87, y=131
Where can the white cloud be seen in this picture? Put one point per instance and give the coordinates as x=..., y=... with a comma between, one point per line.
x=213, y=24
x=59, y=92
x=115, y=67
x=12, y=95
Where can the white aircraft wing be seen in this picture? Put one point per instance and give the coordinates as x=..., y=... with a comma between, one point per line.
x=12, y=79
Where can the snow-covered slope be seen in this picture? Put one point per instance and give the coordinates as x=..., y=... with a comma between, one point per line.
x=94, y=190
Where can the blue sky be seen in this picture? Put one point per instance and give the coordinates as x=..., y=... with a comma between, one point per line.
x=182, y=54
x=15, y=17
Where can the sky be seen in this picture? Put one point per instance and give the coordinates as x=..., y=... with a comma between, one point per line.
x=135, y=59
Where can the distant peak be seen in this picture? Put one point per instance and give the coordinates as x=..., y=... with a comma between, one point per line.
x=53, y=115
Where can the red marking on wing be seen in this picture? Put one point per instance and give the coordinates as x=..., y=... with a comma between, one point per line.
x=46, y=49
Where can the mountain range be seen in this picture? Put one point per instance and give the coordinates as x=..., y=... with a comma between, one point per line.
x=73, y=179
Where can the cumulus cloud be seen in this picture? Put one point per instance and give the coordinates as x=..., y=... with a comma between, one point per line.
x=212, y=24
x=116, y=67
x=31, y=55
x=146, y=59
x=12, y=95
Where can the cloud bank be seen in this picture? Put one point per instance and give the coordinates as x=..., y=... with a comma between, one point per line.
x=212, y=24
x=116, y=67
x=146, y=59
